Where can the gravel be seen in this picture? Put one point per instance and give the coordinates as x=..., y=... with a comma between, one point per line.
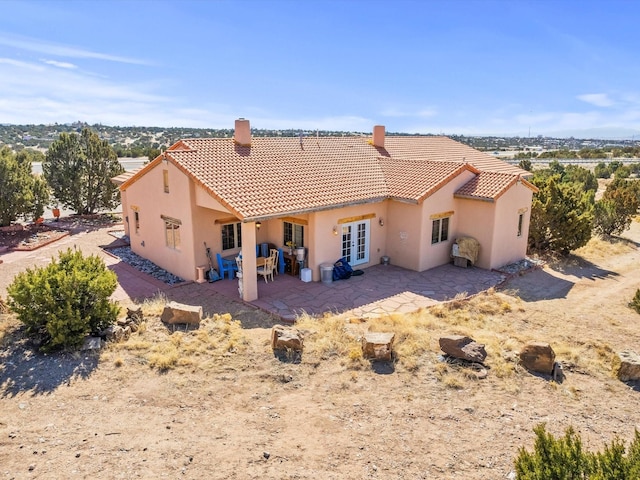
x=142, y=264
x=521, y=266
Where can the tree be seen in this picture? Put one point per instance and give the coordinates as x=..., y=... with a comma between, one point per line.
x=79, y=169
x=525, y=164
x=64, y=301
x=602, y=171
x=615, y=210
x=564, y=458
x=561, y=215
x=22, y=193
x=581, y=175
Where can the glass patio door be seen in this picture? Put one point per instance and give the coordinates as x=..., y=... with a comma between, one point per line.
x=355, y=242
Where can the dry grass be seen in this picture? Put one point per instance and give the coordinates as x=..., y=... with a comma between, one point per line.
x=164, y=347
x=599, y=248
x=9, y=325
x=496, y=319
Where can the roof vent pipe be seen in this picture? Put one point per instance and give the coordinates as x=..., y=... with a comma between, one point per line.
x=378, y=136
x=242, y=132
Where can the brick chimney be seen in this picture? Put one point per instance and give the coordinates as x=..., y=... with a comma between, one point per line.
x=242, y=132
x=378, y=136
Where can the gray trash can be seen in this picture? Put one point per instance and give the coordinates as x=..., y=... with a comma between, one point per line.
x=384, y=260
x=326, y=272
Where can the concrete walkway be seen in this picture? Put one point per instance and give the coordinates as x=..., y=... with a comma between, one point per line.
x=381, y=290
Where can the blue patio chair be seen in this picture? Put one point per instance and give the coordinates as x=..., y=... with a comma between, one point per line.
x=229, y=266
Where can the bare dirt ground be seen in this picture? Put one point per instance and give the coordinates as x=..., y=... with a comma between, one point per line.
x=246, y=414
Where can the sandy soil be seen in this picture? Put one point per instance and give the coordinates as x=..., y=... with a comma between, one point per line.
x=249, y=415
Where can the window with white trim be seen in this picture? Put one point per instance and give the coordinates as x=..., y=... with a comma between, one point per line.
x=440, y=230
x=293, y=233
x=231, y=236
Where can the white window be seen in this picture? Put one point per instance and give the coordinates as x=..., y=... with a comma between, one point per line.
x=231, y=236
x=440, y=230
x=293, y=233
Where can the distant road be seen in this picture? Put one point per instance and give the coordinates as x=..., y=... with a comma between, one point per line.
x=127, y=163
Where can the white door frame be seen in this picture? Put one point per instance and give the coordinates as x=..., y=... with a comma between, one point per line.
x=356, y=238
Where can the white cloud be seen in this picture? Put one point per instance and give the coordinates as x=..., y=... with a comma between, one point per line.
x=35, y=45
x=55, y=63
x=597, y=99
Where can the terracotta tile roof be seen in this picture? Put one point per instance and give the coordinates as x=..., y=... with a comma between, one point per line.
x=487, y=186
x=123, y=177
x=415, y=179
x=282, y=176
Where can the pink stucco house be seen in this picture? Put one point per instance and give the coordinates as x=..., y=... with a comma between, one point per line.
x=406, y=197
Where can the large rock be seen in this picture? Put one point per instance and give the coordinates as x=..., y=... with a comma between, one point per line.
x=629, y=368
x=465, y=348
x=175, y=312
x=378, y=345
x=538, y=357
x=286, y=338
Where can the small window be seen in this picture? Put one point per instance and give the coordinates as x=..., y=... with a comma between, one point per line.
x=172, y=232
x=293, y=233
x=231, y=236
x=440, y=230
x=165, y=178
x=136, y=220
x=520, y=221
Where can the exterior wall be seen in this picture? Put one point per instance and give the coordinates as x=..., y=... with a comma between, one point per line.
x=403, y=231
x=441, y=202
x=325, y=247
x=477, y=219
x=495, y=226
x=126, y=212
x=148, y=196
x=507, y=246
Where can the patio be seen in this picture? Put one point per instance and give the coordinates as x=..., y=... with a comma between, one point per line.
x=382, y=289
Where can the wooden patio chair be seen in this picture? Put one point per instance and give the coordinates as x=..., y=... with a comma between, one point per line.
x=267, y=269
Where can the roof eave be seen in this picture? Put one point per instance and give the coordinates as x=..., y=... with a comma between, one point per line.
x=475, y=197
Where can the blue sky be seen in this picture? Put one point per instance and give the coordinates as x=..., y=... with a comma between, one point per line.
x=456, y=67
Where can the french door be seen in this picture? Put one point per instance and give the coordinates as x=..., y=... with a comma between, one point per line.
x=355, y=242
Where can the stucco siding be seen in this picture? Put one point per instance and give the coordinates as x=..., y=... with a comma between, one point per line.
x=441, y=204
x=477, y=219
x=507, y=246
x=148, y=197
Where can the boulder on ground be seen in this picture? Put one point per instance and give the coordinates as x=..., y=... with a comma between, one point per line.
x=91, y=343
x=175, y=312
x=286, y=338
x=378, y=345
x=465, y=348
x=629, y=368
x=538, y=357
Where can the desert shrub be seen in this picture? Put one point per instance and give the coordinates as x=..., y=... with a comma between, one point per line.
x=66, y=300
x=635, y=303
x=564, y=459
